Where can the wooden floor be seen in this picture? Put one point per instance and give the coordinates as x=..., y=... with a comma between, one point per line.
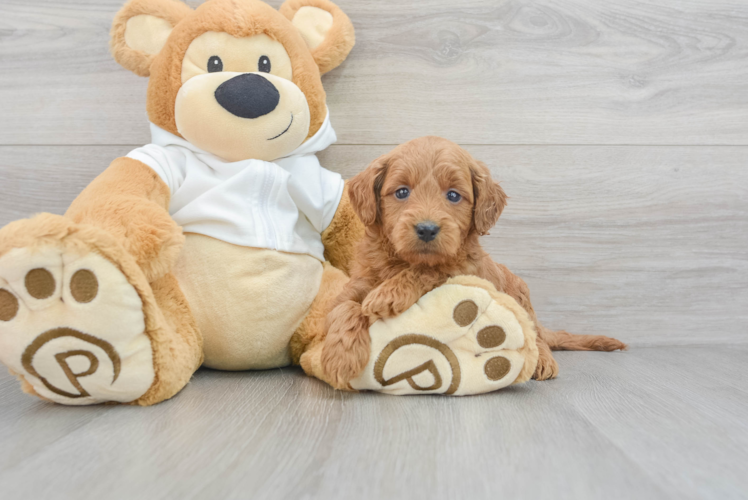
x=652, y=423
x=620, y=132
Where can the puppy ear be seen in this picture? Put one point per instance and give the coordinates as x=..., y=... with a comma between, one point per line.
x=140, y=29
x=365, y=190
x=327, y=31
x=490, y=199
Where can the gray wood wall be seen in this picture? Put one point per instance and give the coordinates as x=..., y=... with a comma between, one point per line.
x=619, y=130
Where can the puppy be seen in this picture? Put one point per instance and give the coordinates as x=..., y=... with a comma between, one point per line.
x=425, y=205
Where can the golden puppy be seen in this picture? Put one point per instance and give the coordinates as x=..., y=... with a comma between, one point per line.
x=425, y=205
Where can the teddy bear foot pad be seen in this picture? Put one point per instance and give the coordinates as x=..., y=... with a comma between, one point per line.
x=457, y=340
x=73, y=327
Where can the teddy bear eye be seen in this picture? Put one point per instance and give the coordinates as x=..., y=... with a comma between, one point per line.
x=402, y=193
x=215, y=64
x=453, y=196
x=264, y=64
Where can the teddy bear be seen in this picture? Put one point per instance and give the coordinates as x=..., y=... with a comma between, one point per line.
x=223, y=241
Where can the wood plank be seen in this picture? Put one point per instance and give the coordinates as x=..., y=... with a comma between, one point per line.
x=648, y=244
x=673, y=412
x=479, y=72
x=48, y=178
x=281, y=435
x=27, y=427
x=641, y=424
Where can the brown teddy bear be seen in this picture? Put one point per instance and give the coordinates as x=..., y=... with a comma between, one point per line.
x=223, y=242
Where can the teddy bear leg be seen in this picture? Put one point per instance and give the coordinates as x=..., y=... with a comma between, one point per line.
x=80, y=323
x=179, y=351
x=462, y=338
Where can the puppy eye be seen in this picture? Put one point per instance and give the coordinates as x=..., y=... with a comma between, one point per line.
x=402, y=193
x=264, y=64
x=215, y=64
x=454, y=196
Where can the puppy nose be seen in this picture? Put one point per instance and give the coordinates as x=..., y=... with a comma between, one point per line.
x=427, y=231
x=248, y=96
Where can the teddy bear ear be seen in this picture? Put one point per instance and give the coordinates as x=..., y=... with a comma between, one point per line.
x=140, y=29
x=327, y=31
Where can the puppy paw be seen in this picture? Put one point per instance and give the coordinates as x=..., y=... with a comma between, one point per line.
x=383, y=302
x=547, y=367
x=346, y=347
x=340, y=365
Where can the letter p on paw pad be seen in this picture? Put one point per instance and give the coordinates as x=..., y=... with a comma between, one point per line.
x=457, y=340
x=73, y=327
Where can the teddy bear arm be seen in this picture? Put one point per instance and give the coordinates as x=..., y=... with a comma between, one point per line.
x=342, y=235
x=130, y=201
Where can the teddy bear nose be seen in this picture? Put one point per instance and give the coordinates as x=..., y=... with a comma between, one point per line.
x=248, y=96
x=427, y=231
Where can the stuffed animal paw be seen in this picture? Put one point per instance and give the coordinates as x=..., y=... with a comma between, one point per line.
x=462, y=338
x=76, y=324
x=346, y=349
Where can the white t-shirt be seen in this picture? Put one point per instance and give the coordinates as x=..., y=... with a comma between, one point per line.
x=282, y=205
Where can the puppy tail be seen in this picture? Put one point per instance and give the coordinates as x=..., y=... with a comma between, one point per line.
x=561, y=340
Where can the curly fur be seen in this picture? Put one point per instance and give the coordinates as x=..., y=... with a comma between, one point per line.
x=342, y=235
x=394, y=268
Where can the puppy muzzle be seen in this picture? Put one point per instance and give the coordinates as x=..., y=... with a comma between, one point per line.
x=427, y=231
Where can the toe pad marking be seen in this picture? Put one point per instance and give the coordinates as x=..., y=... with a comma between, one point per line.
x=8, y=305
x=84, y=286
x=40, y=283
x=465, y=312
x=491, y=336
x=497, y=368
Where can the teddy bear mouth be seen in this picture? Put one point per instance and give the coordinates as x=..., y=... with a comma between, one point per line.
x=287, y=128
